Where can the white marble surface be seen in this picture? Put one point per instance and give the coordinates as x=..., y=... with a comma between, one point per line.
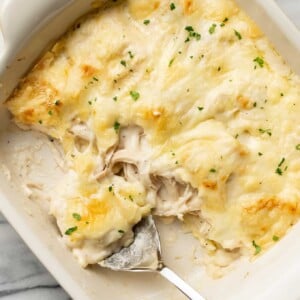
x=21, y=275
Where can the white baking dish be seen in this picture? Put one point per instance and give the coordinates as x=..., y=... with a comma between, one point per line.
x=272, y=276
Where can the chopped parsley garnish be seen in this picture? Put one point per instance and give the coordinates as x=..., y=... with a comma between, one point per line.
x=130, y=197
x=281, y=94
x=212, y=28
x=90, y=102
x=115, y=98
x=146, y=22
x=71, y=230
x=76, y=216
x=275, y=238
x=224, y=21
x=110, y=188
x=192, y=34
x=189, y=28
x=298, y=147
x=260, y=154
x=95, y=79
x=50, y=113
x=176, y=162
x=254, y=104
x=134, y=95
x=219, y=69
x=259, y=61
x=200, y=108
x=281, y=162
x=257, y=248
x=267, y=131
x=117, y=126
x=279, y=170
x=57, y=102
x=123, y=63
x=171, y=62
x=40, y=121
x=212, y=170
x=172, y=6
x=130, y=54
x=238, y=35
x=121, y=231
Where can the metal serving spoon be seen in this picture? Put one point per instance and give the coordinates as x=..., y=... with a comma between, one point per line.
x=144, y=255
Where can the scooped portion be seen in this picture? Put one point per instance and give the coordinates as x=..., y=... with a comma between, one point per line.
x=181, y=110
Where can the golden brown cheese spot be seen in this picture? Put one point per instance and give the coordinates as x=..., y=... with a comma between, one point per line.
x=244, y=102
x=218, y=10
x=268, y=217
x=140, y=9
x=88, y=71
x=45, y=62
x=209, y=184
x=188, y=7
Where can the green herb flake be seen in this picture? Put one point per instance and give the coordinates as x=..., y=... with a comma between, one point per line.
x=40, y=121
x=90, y=102
x=275, y=238
x=260, y=154
x=130, y=198
x=57, y=102
x=189, y=28
x=115, y=98
x=237, y=34
x=212, y=28
x=279, y=171
x=134, y=95
x=71, y=230
x=281, y=94
x=260, y=61
x=171, y=62
x=117, y=126
x=172, y=6
x=212, y=170
x=257, y=248
x=200, y=108
x=192, y=34
x=281, y=162
x=76, y=216
x=267, y=131
x=298, y=147
x=146, y=22
x=95, y=79
x=123, y=63
x=130, y=54
x=110, y=188
x=121, y=231
x=50, y=112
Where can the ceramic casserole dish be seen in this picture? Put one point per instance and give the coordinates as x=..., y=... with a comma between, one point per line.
x=27, y=155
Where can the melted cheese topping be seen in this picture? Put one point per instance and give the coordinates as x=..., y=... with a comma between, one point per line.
x=187, y=112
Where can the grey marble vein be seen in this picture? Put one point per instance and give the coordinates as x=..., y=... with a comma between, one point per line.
x=22, y=277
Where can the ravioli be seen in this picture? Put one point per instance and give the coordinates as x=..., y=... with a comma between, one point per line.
x=177, y=108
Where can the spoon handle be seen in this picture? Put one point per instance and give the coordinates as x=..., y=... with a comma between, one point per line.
x=180, y=284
